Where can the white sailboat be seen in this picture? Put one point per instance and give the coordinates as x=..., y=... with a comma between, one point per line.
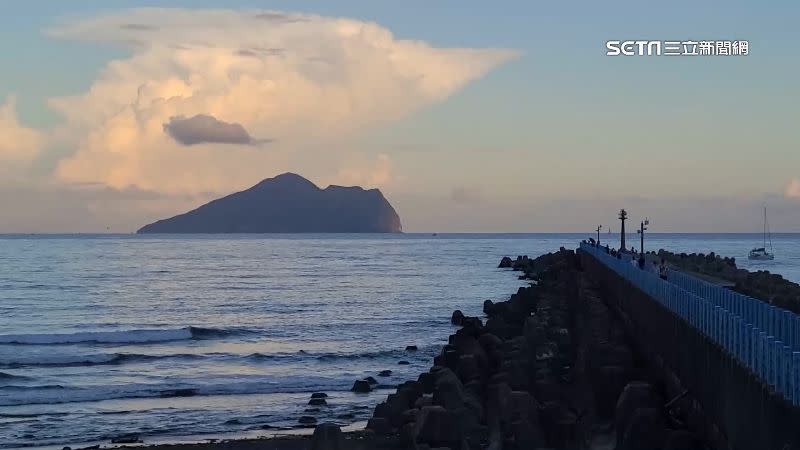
x=761, y=253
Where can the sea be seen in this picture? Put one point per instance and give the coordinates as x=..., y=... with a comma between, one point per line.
x=181, y=338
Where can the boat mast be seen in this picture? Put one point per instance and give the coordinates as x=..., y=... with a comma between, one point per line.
x=766, y=227
x=764, y=236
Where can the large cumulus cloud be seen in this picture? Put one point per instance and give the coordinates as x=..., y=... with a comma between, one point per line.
x=305, y=81
x=19, y=145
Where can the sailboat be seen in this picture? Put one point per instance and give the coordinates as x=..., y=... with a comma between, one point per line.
x=761, y=253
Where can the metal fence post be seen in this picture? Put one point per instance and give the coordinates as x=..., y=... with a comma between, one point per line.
x=796, y=378
x=748, y=337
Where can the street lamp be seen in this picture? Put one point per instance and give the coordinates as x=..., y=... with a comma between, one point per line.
x=623, y=216
x=640, y=231
x=599, y=227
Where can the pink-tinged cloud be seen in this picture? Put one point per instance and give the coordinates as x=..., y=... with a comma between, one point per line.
x=19, y=145
x=309, y=83
x=792, y=189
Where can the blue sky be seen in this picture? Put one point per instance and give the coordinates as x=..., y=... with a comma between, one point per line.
x=561, y=123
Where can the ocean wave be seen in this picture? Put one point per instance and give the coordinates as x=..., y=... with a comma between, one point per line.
x=53, y=394
x=23, y=360
x=8, y=377
x=115, y=337
x=49, y=360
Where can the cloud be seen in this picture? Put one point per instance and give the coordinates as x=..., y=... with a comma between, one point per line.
x=792, y=188
x=367, y=174
x=19, y=145
x=205, y=129
x=311, y=83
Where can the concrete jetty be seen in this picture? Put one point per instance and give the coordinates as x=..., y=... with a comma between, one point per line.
x=594, y=355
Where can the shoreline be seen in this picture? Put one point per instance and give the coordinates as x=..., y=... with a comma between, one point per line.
x=201, y=441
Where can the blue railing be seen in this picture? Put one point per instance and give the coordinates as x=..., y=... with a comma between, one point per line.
x=761, y=337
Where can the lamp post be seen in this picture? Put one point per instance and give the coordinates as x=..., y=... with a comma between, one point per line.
x=623, y=216
x=599, y=227
x=640, y=231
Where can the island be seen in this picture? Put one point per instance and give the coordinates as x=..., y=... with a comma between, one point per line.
x=288, y=203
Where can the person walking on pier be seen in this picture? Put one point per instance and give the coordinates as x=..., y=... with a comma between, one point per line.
x=662, y=269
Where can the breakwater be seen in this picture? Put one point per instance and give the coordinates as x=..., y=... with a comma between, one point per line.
x=743, y=377
x=552, y=367
x=595, y=355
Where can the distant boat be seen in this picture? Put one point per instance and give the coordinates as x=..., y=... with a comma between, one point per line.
x=761, y=253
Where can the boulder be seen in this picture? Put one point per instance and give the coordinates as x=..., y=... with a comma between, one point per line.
x=411, y=348
x=361, y=386
x=467, y=368
x=505, y=263
x=317, y=402
x=319, y=395
x=327, y=436
x=448, y=391
x=438, y=427
x=636, y=395
x=371, y=381
x=380, y=425
x=457, y=318
x=427, y=381
x=681, y=440
x=608, y=383
x=385, y=373
x=645, y=430
x=307, y=420
x=403, y=363
x=488, y=307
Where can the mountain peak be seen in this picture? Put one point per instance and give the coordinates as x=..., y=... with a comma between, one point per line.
x=287, y=179
x=288, y=203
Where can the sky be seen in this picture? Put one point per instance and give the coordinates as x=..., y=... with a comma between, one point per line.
x=469, y=116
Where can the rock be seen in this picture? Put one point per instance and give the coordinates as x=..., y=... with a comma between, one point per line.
x=608, y=383
x=385, y=373
x=409, y=415
x=467, y=368
x=427, y=381
x=457, y=318
x=505, y=263
x=317, y=402
x=637, y=394
x=438, y=427
x=371, y=380
x=488, y=307
x=361, y=386
x=645, y=430
x=131, y=438
x=448, y=391
x=319, y=395
x=407, y=435
x=307, y=420
x=403, y=363
x=681, y=440
x=411, y=348
x=327, y=436
x=527, y=435
x=523, y=407
x=380, y=425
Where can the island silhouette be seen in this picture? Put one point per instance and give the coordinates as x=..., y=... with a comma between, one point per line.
x=288, y=203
